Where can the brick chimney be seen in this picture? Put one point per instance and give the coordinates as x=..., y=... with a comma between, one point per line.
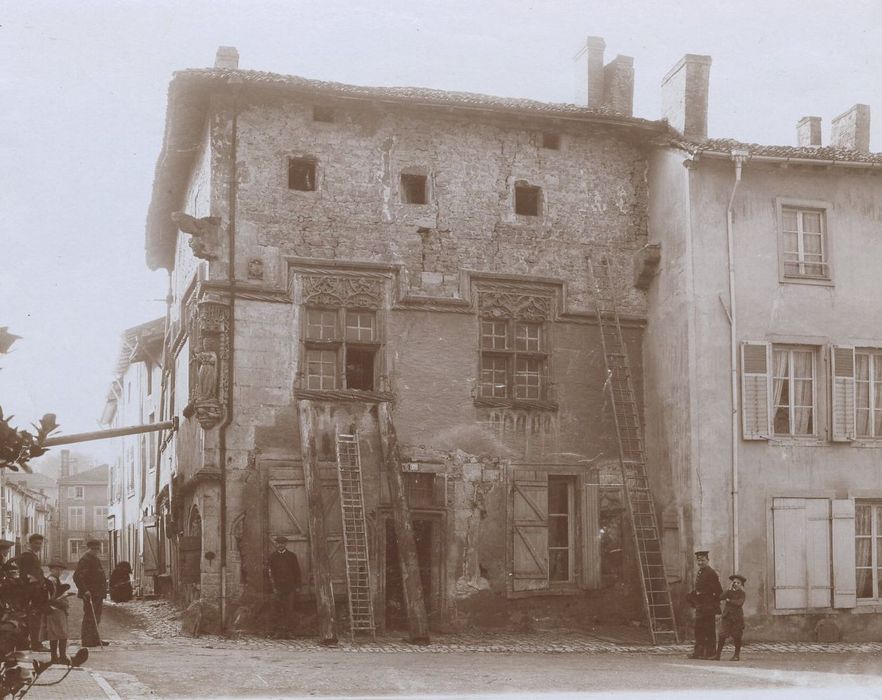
x=684, y=96
x=227, y=57
x=808, y=132
x=65, y=464
x=609, y=86
x=589, y=72
x=851, y=130
x=618, y=85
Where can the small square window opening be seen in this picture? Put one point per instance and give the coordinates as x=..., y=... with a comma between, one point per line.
x=413, y=189
x=551, y=140
x=527, y=200
x=322, y=114
x=301, y=174
x=360, y=368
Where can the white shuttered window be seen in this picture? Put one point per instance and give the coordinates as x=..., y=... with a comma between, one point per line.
x=801, y=535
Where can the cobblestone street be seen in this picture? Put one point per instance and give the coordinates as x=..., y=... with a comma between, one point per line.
x=148, y=658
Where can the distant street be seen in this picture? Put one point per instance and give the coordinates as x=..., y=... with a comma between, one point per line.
x=137, y=665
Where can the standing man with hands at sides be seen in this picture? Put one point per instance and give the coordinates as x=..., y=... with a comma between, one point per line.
x=91, y=584
x=705, y=598
x=284, y=572
x=30, y=570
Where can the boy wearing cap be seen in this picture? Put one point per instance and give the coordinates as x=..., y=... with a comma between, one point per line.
x=732, y=623
x=56, y=614
x=705, y=598
x=284, y=572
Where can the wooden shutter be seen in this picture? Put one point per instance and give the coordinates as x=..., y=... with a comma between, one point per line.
x=591, y=577
x=817, y=546
x=286, y=515
x=844, y=583
x=528, y=519
x=755, y=390
x=190, y=557
x=151, y=549
x=842, y=386
x=333, y=517
x=801, y=533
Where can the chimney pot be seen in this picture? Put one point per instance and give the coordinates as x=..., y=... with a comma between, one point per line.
x=851, y=130
x=589, y=72
x=684, y=96
x=227, y=57
x=808, y=132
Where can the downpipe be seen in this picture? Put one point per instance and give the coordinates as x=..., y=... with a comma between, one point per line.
x=739, y=157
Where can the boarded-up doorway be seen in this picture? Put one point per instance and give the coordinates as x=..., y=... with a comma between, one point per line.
x=428, y=535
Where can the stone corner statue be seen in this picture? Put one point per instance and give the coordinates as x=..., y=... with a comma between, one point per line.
x=203, y=233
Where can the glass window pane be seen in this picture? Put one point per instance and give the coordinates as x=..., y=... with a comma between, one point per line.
x=493, y=377
x=321, y=324
x=527, y=337
x=494, y=335
x=802, y=364
x=558, y=497
x=862, y=420
x=862, y=522
x=811, y=243
x=559, y=565
x=791, y=246
x=862, y=553
x=862, y=394
x=558, y=531
x=803, y=421
x=360, y=326
x=811, y=221
x=789, y=219
x=782, y=421
x=864, y=583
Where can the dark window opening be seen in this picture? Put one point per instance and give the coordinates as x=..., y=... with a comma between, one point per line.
x=360, y=369
x=301, y=174
x=322, y=114
x=527, y=200
x=413, y=189
x=551, y=140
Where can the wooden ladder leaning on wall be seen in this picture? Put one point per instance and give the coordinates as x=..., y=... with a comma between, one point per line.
x=632, y=459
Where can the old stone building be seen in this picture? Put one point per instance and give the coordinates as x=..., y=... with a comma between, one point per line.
x=338, y=254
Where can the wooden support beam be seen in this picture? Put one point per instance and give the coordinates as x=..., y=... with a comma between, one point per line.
x=407, y=553
x=318, y=542
x=110, y=433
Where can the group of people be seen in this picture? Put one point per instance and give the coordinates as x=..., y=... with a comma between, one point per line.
x=47, y=600
x=706, y=597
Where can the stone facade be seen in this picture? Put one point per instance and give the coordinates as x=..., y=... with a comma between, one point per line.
x=323, y=216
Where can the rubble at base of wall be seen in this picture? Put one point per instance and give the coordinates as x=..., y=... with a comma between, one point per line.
x=200, y=617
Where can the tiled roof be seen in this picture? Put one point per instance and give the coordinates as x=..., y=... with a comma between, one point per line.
x=823, y=153
x=410, y=95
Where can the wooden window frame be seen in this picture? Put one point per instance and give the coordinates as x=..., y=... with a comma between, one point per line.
x=816, y=422
x=801, y=206
x=571, y=516
x=82, y=516
x=339, y=343
x=874, y=377
x=875, y=538
x=510, y=353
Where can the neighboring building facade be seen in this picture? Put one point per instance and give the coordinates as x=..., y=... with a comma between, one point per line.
x=133, y=400
x=82, y=512
x=407, y=248
x=800, y=446
x=27, y=506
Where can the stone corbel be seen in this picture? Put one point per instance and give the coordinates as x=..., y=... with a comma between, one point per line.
x=204, y=234
x=646, y=261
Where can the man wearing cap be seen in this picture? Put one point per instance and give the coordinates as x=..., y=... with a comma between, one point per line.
x=284, y=573
x=30, y=570
x=91, y=585
x=705, y=598
x=732, y=622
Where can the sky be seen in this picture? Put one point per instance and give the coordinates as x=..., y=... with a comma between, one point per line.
x=82, y=111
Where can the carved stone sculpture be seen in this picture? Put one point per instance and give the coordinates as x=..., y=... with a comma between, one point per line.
x=207, y=375
x=204, y=234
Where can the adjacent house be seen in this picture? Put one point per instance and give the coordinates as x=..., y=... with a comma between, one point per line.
x=27, y=506
x=133, y=400
x=82, y=512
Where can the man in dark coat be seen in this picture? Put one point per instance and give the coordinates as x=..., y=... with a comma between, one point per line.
x=284, y=573
x=91, y=586
x=30, y=569
x=705, y=598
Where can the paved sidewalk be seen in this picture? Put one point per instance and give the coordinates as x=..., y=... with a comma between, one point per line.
x=80, y=684
x=159, y=620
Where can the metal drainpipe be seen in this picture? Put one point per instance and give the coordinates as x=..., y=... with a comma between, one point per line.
x=236, y=84
x=739, y=157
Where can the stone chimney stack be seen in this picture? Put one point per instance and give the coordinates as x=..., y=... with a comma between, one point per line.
x=808, y=132
x=227, y=57
x=65, y=464
x=851, y=130
x=684, y=96
x=599, y=86
x=589, y=72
